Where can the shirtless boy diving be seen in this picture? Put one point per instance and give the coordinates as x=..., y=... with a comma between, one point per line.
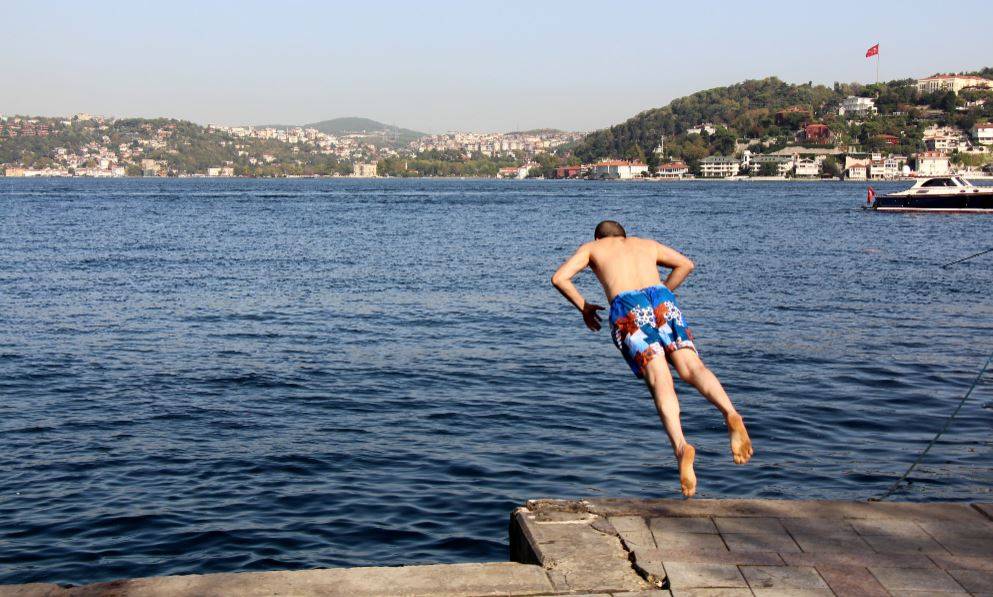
x=645, y=322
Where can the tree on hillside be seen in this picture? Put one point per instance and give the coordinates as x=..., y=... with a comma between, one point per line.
x=634, y=153
x=722, y=142
x=831, y=166
x=652, y=161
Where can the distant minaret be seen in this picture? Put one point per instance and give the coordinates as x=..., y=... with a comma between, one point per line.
x=660, y=148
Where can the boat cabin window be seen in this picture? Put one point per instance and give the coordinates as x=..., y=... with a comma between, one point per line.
x=939, y=182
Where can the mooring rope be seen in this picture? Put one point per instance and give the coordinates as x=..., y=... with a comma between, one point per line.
x=948, y=421
x=990, y=250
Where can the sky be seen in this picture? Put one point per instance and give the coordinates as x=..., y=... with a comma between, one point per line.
x=438, y=66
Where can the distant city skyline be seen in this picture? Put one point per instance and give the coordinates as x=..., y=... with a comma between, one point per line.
x=444, y=66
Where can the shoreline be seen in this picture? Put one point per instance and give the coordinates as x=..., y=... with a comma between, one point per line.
x=604, y=180
x=613, y=547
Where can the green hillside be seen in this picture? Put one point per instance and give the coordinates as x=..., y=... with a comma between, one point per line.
x=769, y=112
x=746, y=107
x=372, y=128
x=377, y=132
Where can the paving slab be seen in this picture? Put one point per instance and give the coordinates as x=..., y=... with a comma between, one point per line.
x=633, y=530
x=712, y=593
x=961, y=562
x=968, y=546
x=783, y=578
x=792, y=593
x=851, y=543
x=814, y=509
x=453, y=579
x=974, y=581
x=687, y=575
x=749, y=525
x=690, y=541
x=985, y=509
x=683, y=525
x=35, y=589
x=897, y=580
x=774, y=542
x=817, y=526
x=859, y=559
x=577, y=555
x=887, y=544
x=895, y=529
x=853, y=581
x=945, y=529
x=760, y=558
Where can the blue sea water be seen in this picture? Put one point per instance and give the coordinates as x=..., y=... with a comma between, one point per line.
x=229, y=375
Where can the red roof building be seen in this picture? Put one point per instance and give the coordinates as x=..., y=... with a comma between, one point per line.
x=817, y=133
x=567, y=172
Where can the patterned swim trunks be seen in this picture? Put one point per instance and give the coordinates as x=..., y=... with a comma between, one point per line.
x=645, y=323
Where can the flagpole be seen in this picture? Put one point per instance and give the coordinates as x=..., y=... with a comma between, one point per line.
x=877, y=67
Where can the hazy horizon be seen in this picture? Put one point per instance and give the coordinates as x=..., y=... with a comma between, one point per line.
x=442, y=66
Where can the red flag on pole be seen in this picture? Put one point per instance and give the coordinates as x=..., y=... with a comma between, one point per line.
x=873, y=51
x=870, y=195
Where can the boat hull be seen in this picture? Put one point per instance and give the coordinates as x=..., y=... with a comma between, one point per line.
x=955, y=203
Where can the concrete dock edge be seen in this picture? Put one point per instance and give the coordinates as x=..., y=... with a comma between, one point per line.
x=648, y=548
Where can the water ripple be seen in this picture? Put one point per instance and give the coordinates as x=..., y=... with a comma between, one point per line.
x=203, y=376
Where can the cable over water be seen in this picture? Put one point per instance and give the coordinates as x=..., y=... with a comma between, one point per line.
x=951, y=417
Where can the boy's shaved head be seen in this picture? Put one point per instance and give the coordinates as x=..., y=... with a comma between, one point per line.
x=608, y=228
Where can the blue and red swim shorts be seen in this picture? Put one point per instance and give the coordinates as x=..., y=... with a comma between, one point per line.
x=645, y=323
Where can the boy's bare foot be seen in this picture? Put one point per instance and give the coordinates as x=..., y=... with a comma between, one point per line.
x=741, y=445
x=687, y=478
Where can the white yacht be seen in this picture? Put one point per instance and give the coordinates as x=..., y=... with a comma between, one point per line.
x=938, y=193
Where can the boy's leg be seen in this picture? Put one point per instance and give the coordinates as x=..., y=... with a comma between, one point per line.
x=692, y=370
x=659, y=382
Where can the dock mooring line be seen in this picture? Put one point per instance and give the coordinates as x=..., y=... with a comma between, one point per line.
x=990, y=250
x=944, y=428
x=948, y=421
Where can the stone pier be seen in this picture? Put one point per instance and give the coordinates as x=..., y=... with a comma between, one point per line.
x=649, y=548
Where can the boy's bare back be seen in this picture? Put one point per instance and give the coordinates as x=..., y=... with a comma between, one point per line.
x=629, y=263
x=625, y=263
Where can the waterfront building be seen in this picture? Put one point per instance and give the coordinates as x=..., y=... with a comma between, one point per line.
x=857, y=172
x=886, y=168
x=567, y=172
x=719, y=166
x=782, y=163
x=618, y=169
x=513, y=172
x=954, y=83
x=857, y=106
x=931, y=163
x=364, y=170
x=982, y=132
x=808, y=167
x=857, y=168
x=672, y=170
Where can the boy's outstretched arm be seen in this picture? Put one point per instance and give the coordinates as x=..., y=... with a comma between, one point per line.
x=562, y=280
x=680, y=264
